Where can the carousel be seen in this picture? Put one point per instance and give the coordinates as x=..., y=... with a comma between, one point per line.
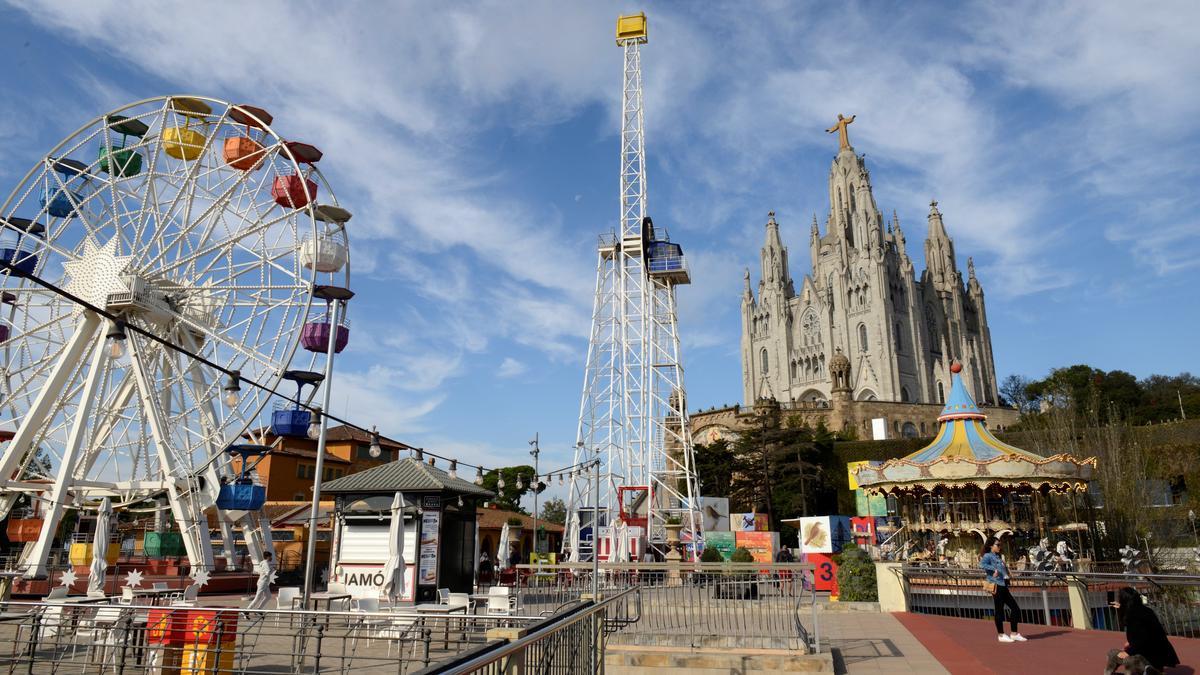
x=967, y=485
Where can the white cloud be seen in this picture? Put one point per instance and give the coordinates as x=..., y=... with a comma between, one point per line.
x=511, y=367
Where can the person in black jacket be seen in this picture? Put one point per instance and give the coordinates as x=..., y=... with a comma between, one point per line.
x=1147, y=649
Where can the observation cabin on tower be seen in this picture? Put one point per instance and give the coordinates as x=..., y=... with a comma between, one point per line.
x=664, y=260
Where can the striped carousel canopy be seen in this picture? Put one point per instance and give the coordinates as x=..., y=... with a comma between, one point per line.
x=966, y=453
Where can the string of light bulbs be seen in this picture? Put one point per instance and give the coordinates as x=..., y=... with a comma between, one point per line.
x=231, y=390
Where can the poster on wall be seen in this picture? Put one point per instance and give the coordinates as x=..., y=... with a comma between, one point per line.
x=723, y=541
x=840, y=533
x=748, y=522
x=865, y=504
x=825, y=572
x=762, y=545
x=431, y=520
x=715, y=512
x=863, y=529
x=816, y=535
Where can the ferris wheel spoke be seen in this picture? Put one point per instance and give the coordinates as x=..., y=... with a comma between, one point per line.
x=212, y=248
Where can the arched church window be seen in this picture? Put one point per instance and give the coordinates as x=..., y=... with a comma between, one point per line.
x=941, y=394
x=862, y=337
x=765, y=365
x=793, y=370
x=922, y=429
x=909, y=430
x=904, y=394
x=899, y=339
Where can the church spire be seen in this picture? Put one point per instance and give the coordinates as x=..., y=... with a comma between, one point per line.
x=774, y=256
x=816, y=229
x=747, y=294
x=939, y=251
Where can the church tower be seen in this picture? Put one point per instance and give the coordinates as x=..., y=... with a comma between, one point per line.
x=893, y=334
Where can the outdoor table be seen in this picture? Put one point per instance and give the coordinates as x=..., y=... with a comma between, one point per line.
x=328, y=598
x=445, y=610
x=155, y=594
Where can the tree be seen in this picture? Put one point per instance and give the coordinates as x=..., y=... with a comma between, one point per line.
x=554, y=511
x=509, y=498
x=1015, y=390
x=714, y=468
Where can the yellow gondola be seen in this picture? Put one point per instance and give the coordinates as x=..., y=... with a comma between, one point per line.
x=185, y=142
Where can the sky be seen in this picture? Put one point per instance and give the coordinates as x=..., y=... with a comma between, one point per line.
x=476, y=144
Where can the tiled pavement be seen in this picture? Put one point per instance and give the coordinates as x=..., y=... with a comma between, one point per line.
x=871, y=642
x=970, y=646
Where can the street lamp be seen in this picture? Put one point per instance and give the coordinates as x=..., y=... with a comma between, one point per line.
x=537, y=548
x=375, y=450
x=233, y=388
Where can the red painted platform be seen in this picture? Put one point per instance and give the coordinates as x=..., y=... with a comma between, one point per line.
x=970, y=646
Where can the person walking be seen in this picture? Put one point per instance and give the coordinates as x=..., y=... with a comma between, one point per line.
x=1146, y=644
x=997, y=584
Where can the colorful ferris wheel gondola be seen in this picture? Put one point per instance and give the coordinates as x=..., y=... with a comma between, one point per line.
x=20, y=243
x=121, y=160
x=315, y=335
x=293, y=190
x=243, y=150
x=62, y=200
x=291, y=419
x=186, y=142
x=326, y=253
x=244, y=493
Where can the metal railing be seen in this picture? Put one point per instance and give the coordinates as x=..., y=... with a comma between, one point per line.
x=85, y=636
x=751, y=600
x=1046, y=597
x=572, y=641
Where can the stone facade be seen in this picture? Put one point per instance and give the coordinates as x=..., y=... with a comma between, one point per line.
x=902, y=420
x=863, y=301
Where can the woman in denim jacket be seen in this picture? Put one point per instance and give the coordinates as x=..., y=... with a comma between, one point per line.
x=997, y=573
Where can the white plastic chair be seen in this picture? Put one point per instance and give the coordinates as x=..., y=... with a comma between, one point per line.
x=286, y=597
x=160, y=586
x=443, y=596
x=369, y=607
x=126, y=595
x=459, y=600
x=57, y=593
x=188, y=597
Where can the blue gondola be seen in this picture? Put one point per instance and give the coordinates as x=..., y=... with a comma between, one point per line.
x=60, y=202
x=291, y=419
x=243, y=493
x=20, y=243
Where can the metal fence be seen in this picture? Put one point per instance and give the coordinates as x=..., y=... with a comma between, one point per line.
x=83, y=635
x=751, y=600
x=570, y=642
x=1045, y=597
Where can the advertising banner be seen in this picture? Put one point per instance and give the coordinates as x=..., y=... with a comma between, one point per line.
x=840, y=533
x=749, y=522
x=762, y=545
x=428, y=551
x=725, y=542
x=863, y=529
x=363, y=580
x=825, y=573
x=816, y=535
x=715, y=513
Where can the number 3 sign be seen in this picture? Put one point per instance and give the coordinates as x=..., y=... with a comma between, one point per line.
x=825, y=572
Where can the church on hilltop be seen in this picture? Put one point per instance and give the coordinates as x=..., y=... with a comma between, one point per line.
x=862, y=325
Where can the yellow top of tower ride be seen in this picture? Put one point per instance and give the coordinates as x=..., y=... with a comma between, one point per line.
x=631, y=27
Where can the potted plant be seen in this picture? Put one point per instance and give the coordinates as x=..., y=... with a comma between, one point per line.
x=674, y=525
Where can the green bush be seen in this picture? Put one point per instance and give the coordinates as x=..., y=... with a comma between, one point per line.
x=742, y=555
x=856, y=576
x=711, y=555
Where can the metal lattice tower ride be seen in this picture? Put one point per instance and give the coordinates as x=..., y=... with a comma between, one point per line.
x=633, y=413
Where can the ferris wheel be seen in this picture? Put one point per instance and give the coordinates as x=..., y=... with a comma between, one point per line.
x=192, y=220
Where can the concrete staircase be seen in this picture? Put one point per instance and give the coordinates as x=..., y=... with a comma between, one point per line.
x=635, y=654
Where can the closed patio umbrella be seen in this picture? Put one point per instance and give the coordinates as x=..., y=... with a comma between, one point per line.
x=393, y=571
x=100, y=549
x=502, y=548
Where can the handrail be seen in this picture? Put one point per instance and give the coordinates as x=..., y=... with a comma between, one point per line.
x=496, y=650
